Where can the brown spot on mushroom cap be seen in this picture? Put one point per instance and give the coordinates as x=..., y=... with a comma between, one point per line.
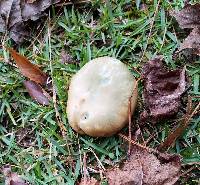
x=99, y=95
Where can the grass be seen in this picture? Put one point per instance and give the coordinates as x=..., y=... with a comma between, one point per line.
x=30, y=138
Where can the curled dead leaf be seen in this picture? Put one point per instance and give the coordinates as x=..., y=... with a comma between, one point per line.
x=146, y=168
x=28, y=69
x=36, y=92
x=192, y=42
x=188, y=17
x=15, y=14
x=162, y=90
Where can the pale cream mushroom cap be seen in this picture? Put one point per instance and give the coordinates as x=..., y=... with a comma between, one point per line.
x=98, y=97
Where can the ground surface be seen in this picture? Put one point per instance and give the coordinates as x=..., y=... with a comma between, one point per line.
x=30, y=139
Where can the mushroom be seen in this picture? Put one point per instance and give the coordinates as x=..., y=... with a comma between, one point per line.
x=99, y=95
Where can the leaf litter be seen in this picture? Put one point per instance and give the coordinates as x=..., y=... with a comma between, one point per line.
x=144, y=167
x=15, y=15
x=36, y=76
x=189, y=17
x=162, y=91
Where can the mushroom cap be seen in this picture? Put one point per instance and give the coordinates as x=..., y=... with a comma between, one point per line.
x=99, y=95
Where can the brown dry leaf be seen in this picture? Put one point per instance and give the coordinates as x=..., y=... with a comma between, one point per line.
x=12, y=178
x=188, y=17
x=146, y=168
x=192, y=41
x=14, y=15
x=27, y=68
x=162, y=90
x=89, y=181
x=36, y=92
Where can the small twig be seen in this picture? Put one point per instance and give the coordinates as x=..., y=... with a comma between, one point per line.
x=152, y=136
x=99, y=162
x=129, y=114
x=152, y=23
x=6, y=60
x=58, y=117
x=136, y=70
x=73, y=2
x=187, y=171
x=46, y=21
x=163, y=41
x=36, y=38
x=84, y=169
x=46, y=93
x=129, y=125
x=179, y=130
x=50, y=151
x=139, y=145
x=80, y=155
x=195, y=96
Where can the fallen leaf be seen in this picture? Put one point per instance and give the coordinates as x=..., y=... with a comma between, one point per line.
x=12, y=178
x=162, y=90
x=146, y=168
x=89, y=181
x=192, y=41
x=15, y=14
x=188, y=17
x=36, y=92
x=27, y=68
